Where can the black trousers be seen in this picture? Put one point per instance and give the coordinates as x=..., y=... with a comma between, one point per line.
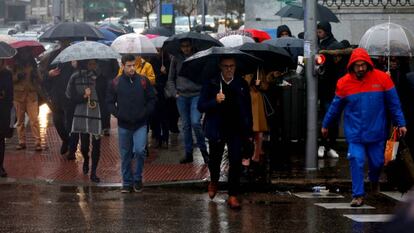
x=85, y=140
x=234, y=154
x=62, y=119
x=2, y=150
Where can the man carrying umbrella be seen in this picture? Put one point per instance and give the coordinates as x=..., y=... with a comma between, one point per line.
x=56, y=78
x=366, y=95
x=187, y=93
x=225, y=99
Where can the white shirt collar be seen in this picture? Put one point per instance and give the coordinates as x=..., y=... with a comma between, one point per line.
x=227, y=82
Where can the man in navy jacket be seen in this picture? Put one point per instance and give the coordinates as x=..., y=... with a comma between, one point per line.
x=131, y=99
x=225, y=100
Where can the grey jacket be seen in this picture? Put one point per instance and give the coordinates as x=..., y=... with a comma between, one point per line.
x=177, y=84
x=85, y=119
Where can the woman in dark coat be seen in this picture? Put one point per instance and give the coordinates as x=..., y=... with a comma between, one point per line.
x=6, y=104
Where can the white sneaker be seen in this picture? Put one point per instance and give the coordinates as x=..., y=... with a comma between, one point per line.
x=321, y=151
x=332, y=154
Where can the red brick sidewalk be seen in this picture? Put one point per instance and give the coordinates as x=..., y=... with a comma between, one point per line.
x=162, y=165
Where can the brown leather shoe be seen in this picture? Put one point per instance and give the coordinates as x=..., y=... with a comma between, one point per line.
x=357, y=202
x=233, y=202
x=212, y=189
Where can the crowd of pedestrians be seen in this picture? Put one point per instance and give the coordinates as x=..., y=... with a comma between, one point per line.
x=234, y=112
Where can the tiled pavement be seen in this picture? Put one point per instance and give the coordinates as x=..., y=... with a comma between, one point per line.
x=162, y=165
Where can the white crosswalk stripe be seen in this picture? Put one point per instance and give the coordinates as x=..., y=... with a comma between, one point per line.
x=398, y=196
x=317, y=195
x=342, y=205
x=369, y=217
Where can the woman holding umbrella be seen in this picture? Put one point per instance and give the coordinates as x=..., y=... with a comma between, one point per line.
x=82, y=92
x=6, y=101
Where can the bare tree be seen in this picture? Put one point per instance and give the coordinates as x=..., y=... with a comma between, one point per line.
x=187, y=7
x=145, y=7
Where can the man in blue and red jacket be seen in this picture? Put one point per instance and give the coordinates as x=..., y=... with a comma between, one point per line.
x=366, y=95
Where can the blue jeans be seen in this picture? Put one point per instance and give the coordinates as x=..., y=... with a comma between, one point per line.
x=132, y=146
x=357, y=152
x=191, y=119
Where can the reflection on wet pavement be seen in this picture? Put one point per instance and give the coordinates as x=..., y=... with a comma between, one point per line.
x=45, y=208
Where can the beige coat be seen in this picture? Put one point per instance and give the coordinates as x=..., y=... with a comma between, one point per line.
x=258, y=108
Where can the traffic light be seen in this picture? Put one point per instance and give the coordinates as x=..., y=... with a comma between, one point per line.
x=319, y=61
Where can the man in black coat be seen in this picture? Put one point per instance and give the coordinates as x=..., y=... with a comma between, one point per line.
x=225, y=100
x=56, y=80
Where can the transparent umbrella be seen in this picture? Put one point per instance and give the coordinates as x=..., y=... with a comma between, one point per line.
x=133, y=43
x=388, y=39
x=235, y=40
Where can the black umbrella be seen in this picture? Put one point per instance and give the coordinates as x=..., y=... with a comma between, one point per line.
x=199, y=42
x=71, y=31
x=294, y=46
x=296, y=11
x=161, y=31
x=6, y=51
x=273, y=57
x=205, y=63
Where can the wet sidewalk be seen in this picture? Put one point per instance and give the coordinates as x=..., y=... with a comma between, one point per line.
x=161, y=167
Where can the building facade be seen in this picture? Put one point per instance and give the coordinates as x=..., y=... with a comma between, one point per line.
x=355, y=16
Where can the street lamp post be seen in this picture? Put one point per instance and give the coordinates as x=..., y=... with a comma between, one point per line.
x=310, y=47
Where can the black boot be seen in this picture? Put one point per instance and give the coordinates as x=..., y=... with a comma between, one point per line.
x=96, y=145
x=85, y=164
x=187, y=159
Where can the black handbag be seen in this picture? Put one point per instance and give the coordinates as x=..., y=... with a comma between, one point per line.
x=400, y=171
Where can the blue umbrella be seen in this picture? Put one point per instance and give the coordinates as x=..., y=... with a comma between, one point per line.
x=108, y=35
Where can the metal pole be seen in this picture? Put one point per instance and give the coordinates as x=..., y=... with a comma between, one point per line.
x=159, y=2
x=203, y=14
x=310, y=47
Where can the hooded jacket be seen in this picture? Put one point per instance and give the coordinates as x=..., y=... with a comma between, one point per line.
x=329, y=39
x=283, y=28
x=365, y=103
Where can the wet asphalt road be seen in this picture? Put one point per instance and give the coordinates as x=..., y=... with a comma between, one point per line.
x=52, y=208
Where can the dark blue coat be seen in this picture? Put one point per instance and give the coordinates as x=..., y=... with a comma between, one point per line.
x=213, y=117
x=131, y=100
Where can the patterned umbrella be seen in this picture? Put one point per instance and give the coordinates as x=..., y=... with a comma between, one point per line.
x=235, y=40
x=86, y=50
x=133, y=43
